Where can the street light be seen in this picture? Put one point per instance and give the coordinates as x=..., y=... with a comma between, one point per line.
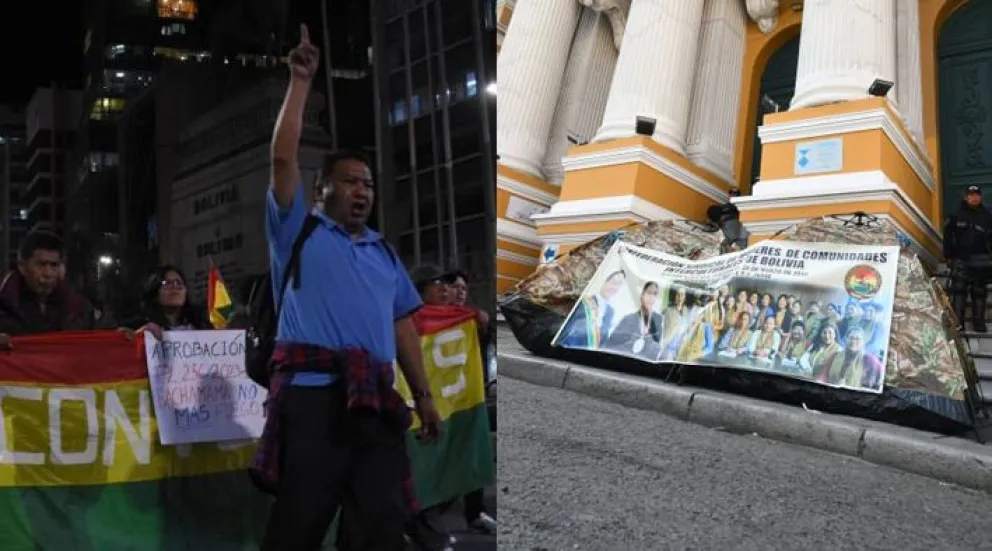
x=105, y=260
x=491, y=89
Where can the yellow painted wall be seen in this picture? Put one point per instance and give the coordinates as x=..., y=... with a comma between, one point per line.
x=869, y=150
x=759, y=48
x=514, y=247
x=864, y=151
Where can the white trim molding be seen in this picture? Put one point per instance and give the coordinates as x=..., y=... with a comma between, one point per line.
x=771, y=227
x=572, y=238
x=518, y=233
x=525, y=191
x=846, y=123
x=828, y=190
x=644, y=155
x=624, y=207
x=517, y=257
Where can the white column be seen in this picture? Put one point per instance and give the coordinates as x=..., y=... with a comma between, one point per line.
x=654, y=72
x=909, y=78
x=530, y=66
x=584, y=90
x=844, y=46
x=716, y=93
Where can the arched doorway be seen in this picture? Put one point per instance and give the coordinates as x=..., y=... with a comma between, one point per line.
x=778, y=85
x=964, y=57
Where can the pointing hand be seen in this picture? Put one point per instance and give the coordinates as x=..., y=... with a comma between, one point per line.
x=304, y=58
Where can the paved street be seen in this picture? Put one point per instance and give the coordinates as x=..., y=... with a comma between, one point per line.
x=578, y=473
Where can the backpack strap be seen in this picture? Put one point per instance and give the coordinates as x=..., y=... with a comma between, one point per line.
x=292, y=270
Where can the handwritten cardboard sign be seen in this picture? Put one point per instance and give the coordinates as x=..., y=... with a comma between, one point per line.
x=200, y=389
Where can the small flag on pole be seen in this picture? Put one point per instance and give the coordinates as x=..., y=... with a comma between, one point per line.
x=218, y=300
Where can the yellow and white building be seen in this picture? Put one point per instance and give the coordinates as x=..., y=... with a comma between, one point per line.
x=769, y=96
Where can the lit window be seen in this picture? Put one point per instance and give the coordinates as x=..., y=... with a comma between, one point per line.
x=114, y=51
x=415, y=106
x=177, y=9
x=471, y=84
x=104, y=107
x=399, y=112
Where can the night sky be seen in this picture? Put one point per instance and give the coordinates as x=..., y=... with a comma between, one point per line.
x=37, y=44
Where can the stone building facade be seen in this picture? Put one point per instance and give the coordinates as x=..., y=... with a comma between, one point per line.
x=768, y=96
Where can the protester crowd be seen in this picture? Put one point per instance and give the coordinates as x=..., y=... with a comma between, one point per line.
x=344, y=307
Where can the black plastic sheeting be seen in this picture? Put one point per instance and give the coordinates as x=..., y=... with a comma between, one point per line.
x=535, y=326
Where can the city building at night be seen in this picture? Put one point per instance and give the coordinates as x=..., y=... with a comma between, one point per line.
x=435, y=79
x=214, y=126
x=223, y=170
x=14, y=181
x=149, y=70
x=111, y=196
x=51, y=127
x=807, y=108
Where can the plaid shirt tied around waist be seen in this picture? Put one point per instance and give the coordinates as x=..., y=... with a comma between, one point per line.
x=369, y=387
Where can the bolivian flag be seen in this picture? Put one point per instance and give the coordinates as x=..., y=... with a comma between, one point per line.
x=462, y=459
x=81, y=466
x=218, y=299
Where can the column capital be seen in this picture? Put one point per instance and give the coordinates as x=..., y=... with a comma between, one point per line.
x=764, y=13
x=616, y=13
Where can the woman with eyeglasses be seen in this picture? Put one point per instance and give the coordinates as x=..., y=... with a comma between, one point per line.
x=166, y=306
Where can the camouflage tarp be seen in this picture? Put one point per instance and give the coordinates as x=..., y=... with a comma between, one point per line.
x=927, y=373
x=925, y=351
x=559, y=283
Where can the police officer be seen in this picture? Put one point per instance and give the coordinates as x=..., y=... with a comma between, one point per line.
x=968, y=250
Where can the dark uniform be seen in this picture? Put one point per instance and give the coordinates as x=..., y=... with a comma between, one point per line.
x=968, y=249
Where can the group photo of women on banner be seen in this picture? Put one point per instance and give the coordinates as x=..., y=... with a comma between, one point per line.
x=814, y=311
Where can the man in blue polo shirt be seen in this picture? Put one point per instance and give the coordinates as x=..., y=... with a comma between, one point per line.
x=334, y=419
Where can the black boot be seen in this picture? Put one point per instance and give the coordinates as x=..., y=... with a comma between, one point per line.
x=958, y=301
x=978, y=303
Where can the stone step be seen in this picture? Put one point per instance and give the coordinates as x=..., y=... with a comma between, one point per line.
x=986, y=386
x=983, y=364
x=979, y=343
x=981, y=351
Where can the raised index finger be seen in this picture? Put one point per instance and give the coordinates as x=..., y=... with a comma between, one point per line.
x=304, y=33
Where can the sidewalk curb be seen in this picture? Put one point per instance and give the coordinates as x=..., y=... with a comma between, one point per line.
x=947, y=459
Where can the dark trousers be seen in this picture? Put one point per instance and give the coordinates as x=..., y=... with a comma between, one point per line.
x=970, y=278
x=328, y=457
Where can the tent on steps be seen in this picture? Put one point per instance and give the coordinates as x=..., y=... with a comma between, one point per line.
x=930, y=382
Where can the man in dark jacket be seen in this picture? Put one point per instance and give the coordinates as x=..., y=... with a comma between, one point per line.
x=968, y=251
x=34, y=298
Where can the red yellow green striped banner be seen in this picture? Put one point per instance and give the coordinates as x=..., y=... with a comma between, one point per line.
x=81, y=466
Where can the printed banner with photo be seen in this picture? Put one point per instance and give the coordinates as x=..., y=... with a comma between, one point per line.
x=814, y=311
